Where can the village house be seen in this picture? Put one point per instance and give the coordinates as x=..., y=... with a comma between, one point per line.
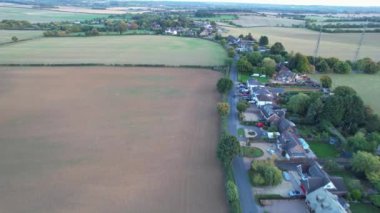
x=323, y=201
x=285, y=125
x=294, y=148
x=285, y=76
x=253, y=83
x=231, y=40
x=272, y=113
x=245, y=45
x=314, y=177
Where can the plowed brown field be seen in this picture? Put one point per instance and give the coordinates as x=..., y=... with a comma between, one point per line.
x=106, y=139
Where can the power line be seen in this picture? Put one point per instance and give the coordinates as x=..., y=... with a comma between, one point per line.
x=360, y=41
x=318, y=42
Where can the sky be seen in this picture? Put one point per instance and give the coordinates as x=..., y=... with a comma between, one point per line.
x=304, y=2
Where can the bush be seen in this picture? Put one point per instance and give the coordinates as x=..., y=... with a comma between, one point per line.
x=375, y=199
x=265, y=173
x=224, y=85
x=223, y=108
x=232, y=192
x=356, y=194
x=242, y=106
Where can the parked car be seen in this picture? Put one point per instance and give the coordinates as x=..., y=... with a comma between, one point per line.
x=294, y=193
x=260, y=124
x=286, y=176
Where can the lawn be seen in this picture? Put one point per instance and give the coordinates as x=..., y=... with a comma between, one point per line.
x=35, y=15
x=363, y=208
x=148, y=49
x=240, y=132
x=251, y=152
x=243, y=77
x=367, y=86
x=6, y=35
x=108, y=139
x=323, y=150
x=341, y=45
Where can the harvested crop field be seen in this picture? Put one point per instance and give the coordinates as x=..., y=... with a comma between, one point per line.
x=340, y=45
x=106, y=139
x=152, y=50
x=266, y=21
x=6, y=35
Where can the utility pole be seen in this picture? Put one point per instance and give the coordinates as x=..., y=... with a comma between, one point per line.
x=318, y=42
x=360, y=41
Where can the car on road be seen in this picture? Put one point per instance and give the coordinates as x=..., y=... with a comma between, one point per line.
x=294, y=193
x=286, y=175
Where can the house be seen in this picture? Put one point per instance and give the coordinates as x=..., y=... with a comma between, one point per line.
x=231, y=40
x=314, y=177
x=272, y=114
x=290, y=145
x=253, y=83
x=285, y=76
x=285, y=125
x=245, y=45
x=171, y=31
x=323, y=201
x=261, y=100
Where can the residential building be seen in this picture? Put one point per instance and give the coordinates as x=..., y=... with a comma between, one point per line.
x=323, y=201
x=253, y=83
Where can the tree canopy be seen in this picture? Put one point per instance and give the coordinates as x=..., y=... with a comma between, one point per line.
x=277, y=48
x=264, y=173
x=224, y=85
x=326, y=81
x=263, y=41
x=299, y=103
x=228, y=148
x=223, y=108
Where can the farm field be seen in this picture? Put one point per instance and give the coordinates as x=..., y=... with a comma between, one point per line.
x=367, y=86
x=165, y=50
x=109, y=139
x=269, y=21
x=34, y=15
x=6, y=35
x=341, y=45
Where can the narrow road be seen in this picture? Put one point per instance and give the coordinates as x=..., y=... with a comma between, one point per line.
x=247, y=202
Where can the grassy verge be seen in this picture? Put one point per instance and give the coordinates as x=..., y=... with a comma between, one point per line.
x=251, y=152
x=240, y=132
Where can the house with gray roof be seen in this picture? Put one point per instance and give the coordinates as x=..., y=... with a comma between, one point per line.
x=323, y=201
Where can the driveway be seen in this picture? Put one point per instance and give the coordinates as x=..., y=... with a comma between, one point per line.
x=286, y=206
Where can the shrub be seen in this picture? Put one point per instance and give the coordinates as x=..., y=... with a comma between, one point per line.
x=223, y=108
x=232, y=192
x=356, y=194
x=224, y=85
x=265, y=173
x=375, y=199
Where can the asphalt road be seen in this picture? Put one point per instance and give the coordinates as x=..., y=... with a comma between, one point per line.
x=247, y=202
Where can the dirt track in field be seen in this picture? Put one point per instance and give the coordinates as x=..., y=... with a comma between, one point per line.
x=103, y=139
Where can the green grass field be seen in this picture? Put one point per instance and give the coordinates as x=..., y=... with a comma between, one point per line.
x=39, y=15
x=251, y=152
x=6, y=35
x=363, y=208
x=165, y=50
x=221, y=17
x=367, y=86
x=341, y=45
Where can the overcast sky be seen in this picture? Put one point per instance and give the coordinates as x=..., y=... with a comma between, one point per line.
x=305, y=2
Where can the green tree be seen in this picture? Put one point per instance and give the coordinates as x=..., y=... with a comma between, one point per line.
x=323, y=66
x=365, y=162
x=14, y=39
x=232, y=192
x=263, y=41
x=122, y=27
x=223, y=42
x=314, y=111
x=332, y=61
x=244, y=66
x=342, y=67
x=224, y=85
x=368, y=66
x=242, y=106
x=255, y=58
x=326, y=81
x=231, y=52
x=299, y=103
x=223, y=108
x=269, y=66
x=344, y=91
x=301, y=64
x=356, y=194
x=277, y=48
x=264, y=173
x=359, y=142
x=228, y=148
